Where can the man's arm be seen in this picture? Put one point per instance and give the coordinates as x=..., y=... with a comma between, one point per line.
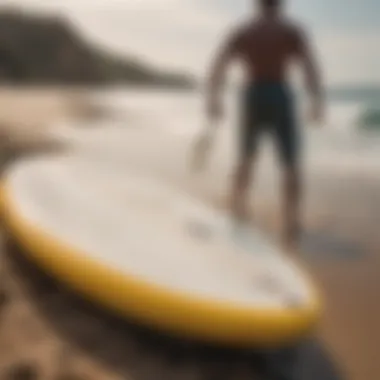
x=311, y=71
x=214, y=105
x=217, y=75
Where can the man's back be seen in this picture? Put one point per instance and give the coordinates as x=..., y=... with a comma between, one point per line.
x=267, y=47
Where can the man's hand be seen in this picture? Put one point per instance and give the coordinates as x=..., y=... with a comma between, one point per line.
x=202, y=148
x=204, y=142
x=316, y=113
x=215, y=111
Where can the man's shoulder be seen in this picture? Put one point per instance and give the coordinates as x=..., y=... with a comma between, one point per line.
x=294, y=27
x=243, y=27
x=285, y=25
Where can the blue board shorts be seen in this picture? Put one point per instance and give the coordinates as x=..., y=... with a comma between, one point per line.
x=269, y=108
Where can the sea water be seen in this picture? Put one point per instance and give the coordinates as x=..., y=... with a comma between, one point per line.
x=337, y=145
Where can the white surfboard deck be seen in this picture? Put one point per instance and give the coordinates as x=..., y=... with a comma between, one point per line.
x=150, y=229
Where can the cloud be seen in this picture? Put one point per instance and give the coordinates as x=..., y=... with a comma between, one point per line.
x=176, y=33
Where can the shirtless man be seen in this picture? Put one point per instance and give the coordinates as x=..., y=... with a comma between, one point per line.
x=266, y=46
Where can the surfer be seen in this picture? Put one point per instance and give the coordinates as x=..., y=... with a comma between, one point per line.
x=266, y=46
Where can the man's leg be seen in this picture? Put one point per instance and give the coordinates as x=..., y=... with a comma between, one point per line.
x=240, y=189
x=288, y=144
x=249, y=130
x=291, y=204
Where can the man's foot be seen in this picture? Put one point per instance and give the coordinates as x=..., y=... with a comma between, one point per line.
x=241, y=230
x=238, y=223
x=290, y=247
x=291, y=240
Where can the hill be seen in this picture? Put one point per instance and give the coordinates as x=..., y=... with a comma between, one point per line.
x=44, y=49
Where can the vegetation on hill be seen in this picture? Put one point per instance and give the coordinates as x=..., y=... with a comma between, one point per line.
x=44, y=49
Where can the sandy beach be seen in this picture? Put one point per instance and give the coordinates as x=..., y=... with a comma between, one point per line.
x=45, y=333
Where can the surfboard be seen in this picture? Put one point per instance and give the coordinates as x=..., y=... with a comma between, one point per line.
x=147, y=251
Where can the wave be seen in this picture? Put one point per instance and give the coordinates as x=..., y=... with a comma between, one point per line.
x=369, y=119
x=182, y=113
x=171, y=120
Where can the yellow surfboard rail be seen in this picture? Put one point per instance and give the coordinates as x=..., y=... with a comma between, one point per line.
x=157, y=307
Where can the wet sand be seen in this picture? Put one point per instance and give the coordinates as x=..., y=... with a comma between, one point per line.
x=46, y=328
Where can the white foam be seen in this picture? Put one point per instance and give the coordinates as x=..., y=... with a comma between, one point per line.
x=143, y=227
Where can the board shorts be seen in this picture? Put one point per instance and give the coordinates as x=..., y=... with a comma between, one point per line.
x=269, y=108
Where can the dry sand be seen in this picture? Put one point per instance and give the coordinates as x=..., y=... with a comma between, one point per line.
x=45, y=330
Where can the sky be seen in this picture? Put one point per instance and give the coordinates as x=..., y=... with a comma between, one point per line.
x=183, y=34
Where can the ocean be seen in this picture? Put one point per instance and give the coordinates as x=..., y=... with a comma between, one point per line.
x=146, y=121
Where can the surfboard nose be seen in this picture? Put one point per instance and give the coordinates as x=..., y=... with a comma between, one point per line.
x=172, y=267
